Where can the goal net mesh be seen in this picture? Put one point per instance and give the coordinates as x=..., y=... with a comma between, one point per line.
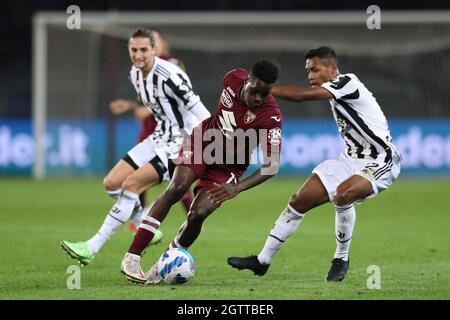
x=405, y=65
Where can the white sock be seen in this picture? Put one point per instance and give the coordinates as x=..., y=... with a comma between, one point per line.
x=174, y=244
x=286, y=224
x=138, y=215
x=344, y=223
x=114, y=193
x=117, y=216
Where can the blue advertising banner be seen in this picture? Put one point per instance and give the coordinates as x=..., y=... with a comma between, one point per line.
x=79, y=148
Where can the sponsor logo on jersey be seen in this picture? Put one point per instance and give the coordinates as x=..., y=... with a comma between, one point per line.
x=231, y=92
x=225, y=99
x=155, y=108
x=249, y=117
x=274, y=136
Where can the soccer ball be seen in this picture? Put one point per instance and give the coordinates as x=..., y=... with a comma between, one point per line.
x=176, y=266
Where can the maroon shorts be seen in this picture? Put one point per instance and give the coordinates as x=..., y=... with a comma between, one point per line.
x=208, y=175
x=211, y=175
x=148, y=126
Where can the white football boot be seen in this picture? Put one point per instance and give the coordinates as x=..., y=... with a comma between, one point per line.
x=153, y=276
x=131, y=268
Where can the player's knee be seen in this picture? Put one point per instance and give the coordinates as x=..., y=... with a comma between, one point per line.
x=343, y=197
x=176, y=191
x=130, y=184
x=109, y=184
x=296, y=201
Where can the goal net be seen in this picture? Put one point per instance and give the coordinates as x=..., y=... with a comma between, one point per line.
x=78, y=72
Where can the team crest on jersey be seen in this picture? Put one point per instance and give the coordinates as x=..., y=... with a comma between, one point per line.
x=344, y=127
x=226, y=99
x=249, y=117
x=274, y=136
x=187, y=155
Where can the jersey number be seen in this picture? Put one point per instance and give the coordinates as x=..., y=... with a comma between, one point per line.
x=227, y=121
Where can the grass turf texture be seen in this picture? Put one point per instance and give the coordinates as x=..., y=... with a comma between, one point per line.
x=405, y=231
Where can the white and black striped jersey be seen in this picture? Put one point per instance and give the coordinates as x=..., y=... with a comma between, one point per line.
x=167, y=92
x=360, y=120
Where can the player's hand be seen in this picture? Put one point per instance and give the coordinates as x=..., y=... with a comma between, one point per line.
x=119, y=106
x=141, y=113
x=222, y=192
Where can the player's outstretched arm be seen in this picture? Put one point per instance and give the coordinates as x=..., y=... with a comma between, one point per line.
x=120, y=106
x=228, y=191
x=141, y=112
x=299, y=94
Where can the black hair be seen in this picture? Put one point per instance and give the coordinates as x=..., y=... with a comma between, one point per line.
x=144, y=33
x=265, y=71
x=322, y=53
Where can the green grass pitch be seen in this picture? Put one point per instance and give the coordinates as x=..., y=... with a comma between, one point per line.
x=404, y=231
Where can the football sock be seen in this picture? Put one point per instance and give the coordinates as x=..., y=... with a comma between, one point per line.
x=344, y=223
x=174, y=244
x=286, y=224
x=117, y=216
x=144, y=235
x=114, y=193
x=138, y=215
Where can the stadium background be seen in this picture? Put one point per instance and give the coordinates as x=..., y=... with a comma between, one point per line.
x=405, y=66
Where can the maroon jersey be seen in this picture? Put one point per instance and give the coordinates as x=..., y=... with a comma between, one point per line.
x=234, y=118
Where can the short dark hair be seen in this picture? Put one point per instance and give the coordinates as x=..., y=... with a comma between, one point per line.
x=322, y=53
x=144, y=33
x=265, y=71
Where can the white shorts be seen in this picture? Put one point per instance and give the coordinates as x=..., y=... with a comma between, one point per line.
x=150, y=149
x=380, y=174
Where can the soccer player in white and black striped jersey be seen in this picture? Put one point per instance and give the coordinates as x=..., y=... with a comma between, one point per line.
x=369, y=165
x=167, y=91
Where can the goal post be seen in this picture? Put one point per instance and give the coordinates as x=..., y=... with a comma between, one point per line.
x=76, y=72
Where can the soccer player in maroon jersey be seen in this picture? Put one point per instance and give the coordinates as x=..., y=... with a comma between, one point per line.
x=245, y=108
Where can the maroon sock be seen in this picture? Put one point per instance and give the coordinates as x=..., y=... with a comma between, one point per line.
x=187, y=200
x=143, y=236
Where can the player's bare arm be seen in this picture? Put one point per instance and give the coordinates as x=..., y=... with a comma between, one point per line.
x=299, y=94
x=142, y=112
x=319, y=70
x=120, y=106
